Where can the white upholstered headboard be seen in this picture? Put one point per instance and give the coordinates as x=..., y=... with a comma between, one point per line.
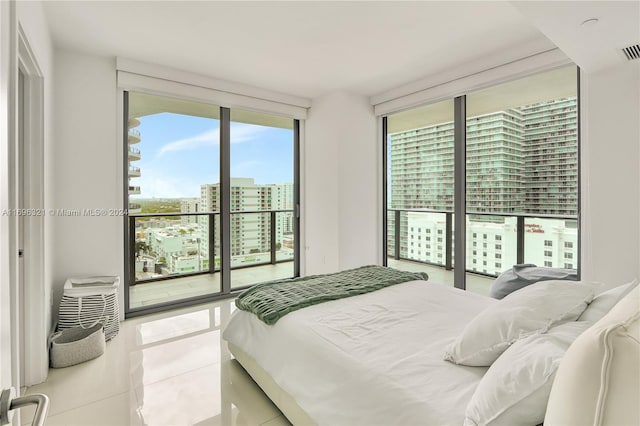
x=598, y=381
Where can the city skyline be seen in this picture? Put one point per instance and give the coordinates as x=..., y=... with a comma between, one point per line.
x=518, y=160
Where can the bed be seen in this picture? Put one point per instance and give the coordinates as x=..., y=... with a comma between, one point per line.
x=370, y=359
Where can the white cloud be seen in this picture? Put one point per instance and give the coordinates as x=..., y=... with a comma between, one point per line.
x=239, y=133
x=211, y=137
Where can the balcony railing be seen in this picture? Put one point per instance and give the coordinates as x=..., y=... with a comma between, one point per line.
x=134, y=171
x=172, y=245
x=134, y=133
x=398, y=241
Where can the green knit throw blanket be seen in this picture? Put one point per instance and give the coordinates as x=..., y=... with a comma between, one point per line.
x=272, y=300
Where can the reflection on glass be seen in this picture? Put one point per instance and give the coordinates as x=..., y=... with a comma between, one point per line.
x=262, y=219
x=420, y=188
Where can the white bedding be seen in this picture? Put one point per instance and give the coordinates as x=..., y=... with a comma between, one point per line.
x=374, y=359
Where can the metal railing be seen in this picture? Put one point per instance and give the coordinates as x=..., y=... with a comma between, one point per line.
x=134, y=132
x=448, y=234
x=212, y=216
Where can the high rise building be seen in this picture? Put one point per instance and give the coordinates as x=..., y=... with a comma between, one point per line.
x=250, y=232
x=190, y=205
x=520, y=160
x=551, y=156
x=133, y=138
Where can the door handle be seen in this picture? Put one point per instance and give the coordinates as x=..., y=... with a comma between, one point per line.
x=8, y=402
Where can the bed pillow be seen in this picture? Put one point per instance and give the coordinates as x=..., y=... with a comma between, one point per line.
x=516, y=388
x=522, y=275
x=531, y=310
x=603, y=302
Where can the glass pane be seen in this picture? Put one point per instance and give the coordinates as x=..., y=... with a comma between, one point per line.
x=522, y=160
x=551, y=242
x=420, y=187
x=262, y=164
x=173, y=157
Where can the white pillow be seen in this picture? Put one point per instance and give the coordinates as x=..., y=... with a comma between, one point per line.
x=603, y=302
x=533, y=309
x=515, y=389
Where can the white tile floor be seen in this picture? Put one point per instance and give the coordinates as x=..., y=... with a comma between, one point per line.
x=171, y=368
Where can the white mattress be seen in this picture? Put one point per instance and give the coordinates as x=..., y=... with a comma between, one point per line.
x=374, y=359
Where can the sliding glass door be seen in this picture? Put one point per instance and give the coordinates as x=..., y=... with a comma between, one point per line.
x=211, y=198
x=504, y=161
x=262, y=198
x=420, y=190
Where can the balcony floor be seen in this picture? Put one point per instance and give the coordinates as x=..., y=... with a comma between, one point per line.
x=477, y=283
x=151, y=293
x=155, y=292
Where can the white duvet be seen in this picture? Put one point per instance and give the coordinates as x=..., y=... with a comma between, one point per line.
x=374, y=359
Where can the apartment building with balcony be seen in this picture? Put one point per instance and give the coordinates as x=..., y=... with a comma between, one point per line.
x=133, y=155
x=255, y=209
x=521, y=161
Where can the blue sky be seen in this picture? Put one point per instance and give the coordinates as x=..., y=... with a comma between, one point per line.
x=179, y=153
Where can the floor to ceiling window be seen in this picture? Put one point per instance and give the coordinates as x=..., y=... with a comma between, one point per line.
x=521, y=162
x=262, y=197
x=211, y=195
x=420, y=190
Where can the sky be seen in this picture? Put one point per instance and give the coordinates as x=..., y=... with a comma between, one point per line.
x=180, y=152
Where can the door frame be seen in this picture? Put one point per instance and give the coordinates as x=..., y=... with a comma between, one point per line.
x=9, y=361
x=35, y=358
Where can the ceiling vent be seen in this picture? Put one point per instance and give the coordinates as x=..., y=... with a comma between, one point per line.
x=632, y=52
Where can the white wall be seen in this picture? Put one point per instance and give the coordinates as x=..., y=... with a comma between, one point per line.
x=341, y=184
x=610, y=174
x=341, y=193
x=88, y=171
x=31, y=19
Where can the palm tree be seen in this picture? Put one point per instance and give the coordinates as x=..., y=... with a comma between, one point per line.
x=141, y=246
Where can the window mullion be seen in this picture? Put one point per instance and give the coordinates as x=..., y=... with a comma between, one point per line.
x=459, y=202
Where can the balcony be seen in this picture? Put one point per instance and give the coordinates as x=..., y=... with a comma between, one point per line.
x=133, y=136
x=134, y=208
x=167, y=291
x=494, y=241
x=177, y=255
x=134, y=190
x=134, y=171
x=477, y=283
x=134, y=154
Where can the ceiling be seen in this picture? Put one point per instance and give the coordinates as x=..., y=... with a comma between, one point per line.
x=300, y=48
x=592, y=47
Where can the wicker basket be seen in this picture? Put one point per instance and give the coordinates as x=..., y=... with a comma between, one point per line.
x=75, y=345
